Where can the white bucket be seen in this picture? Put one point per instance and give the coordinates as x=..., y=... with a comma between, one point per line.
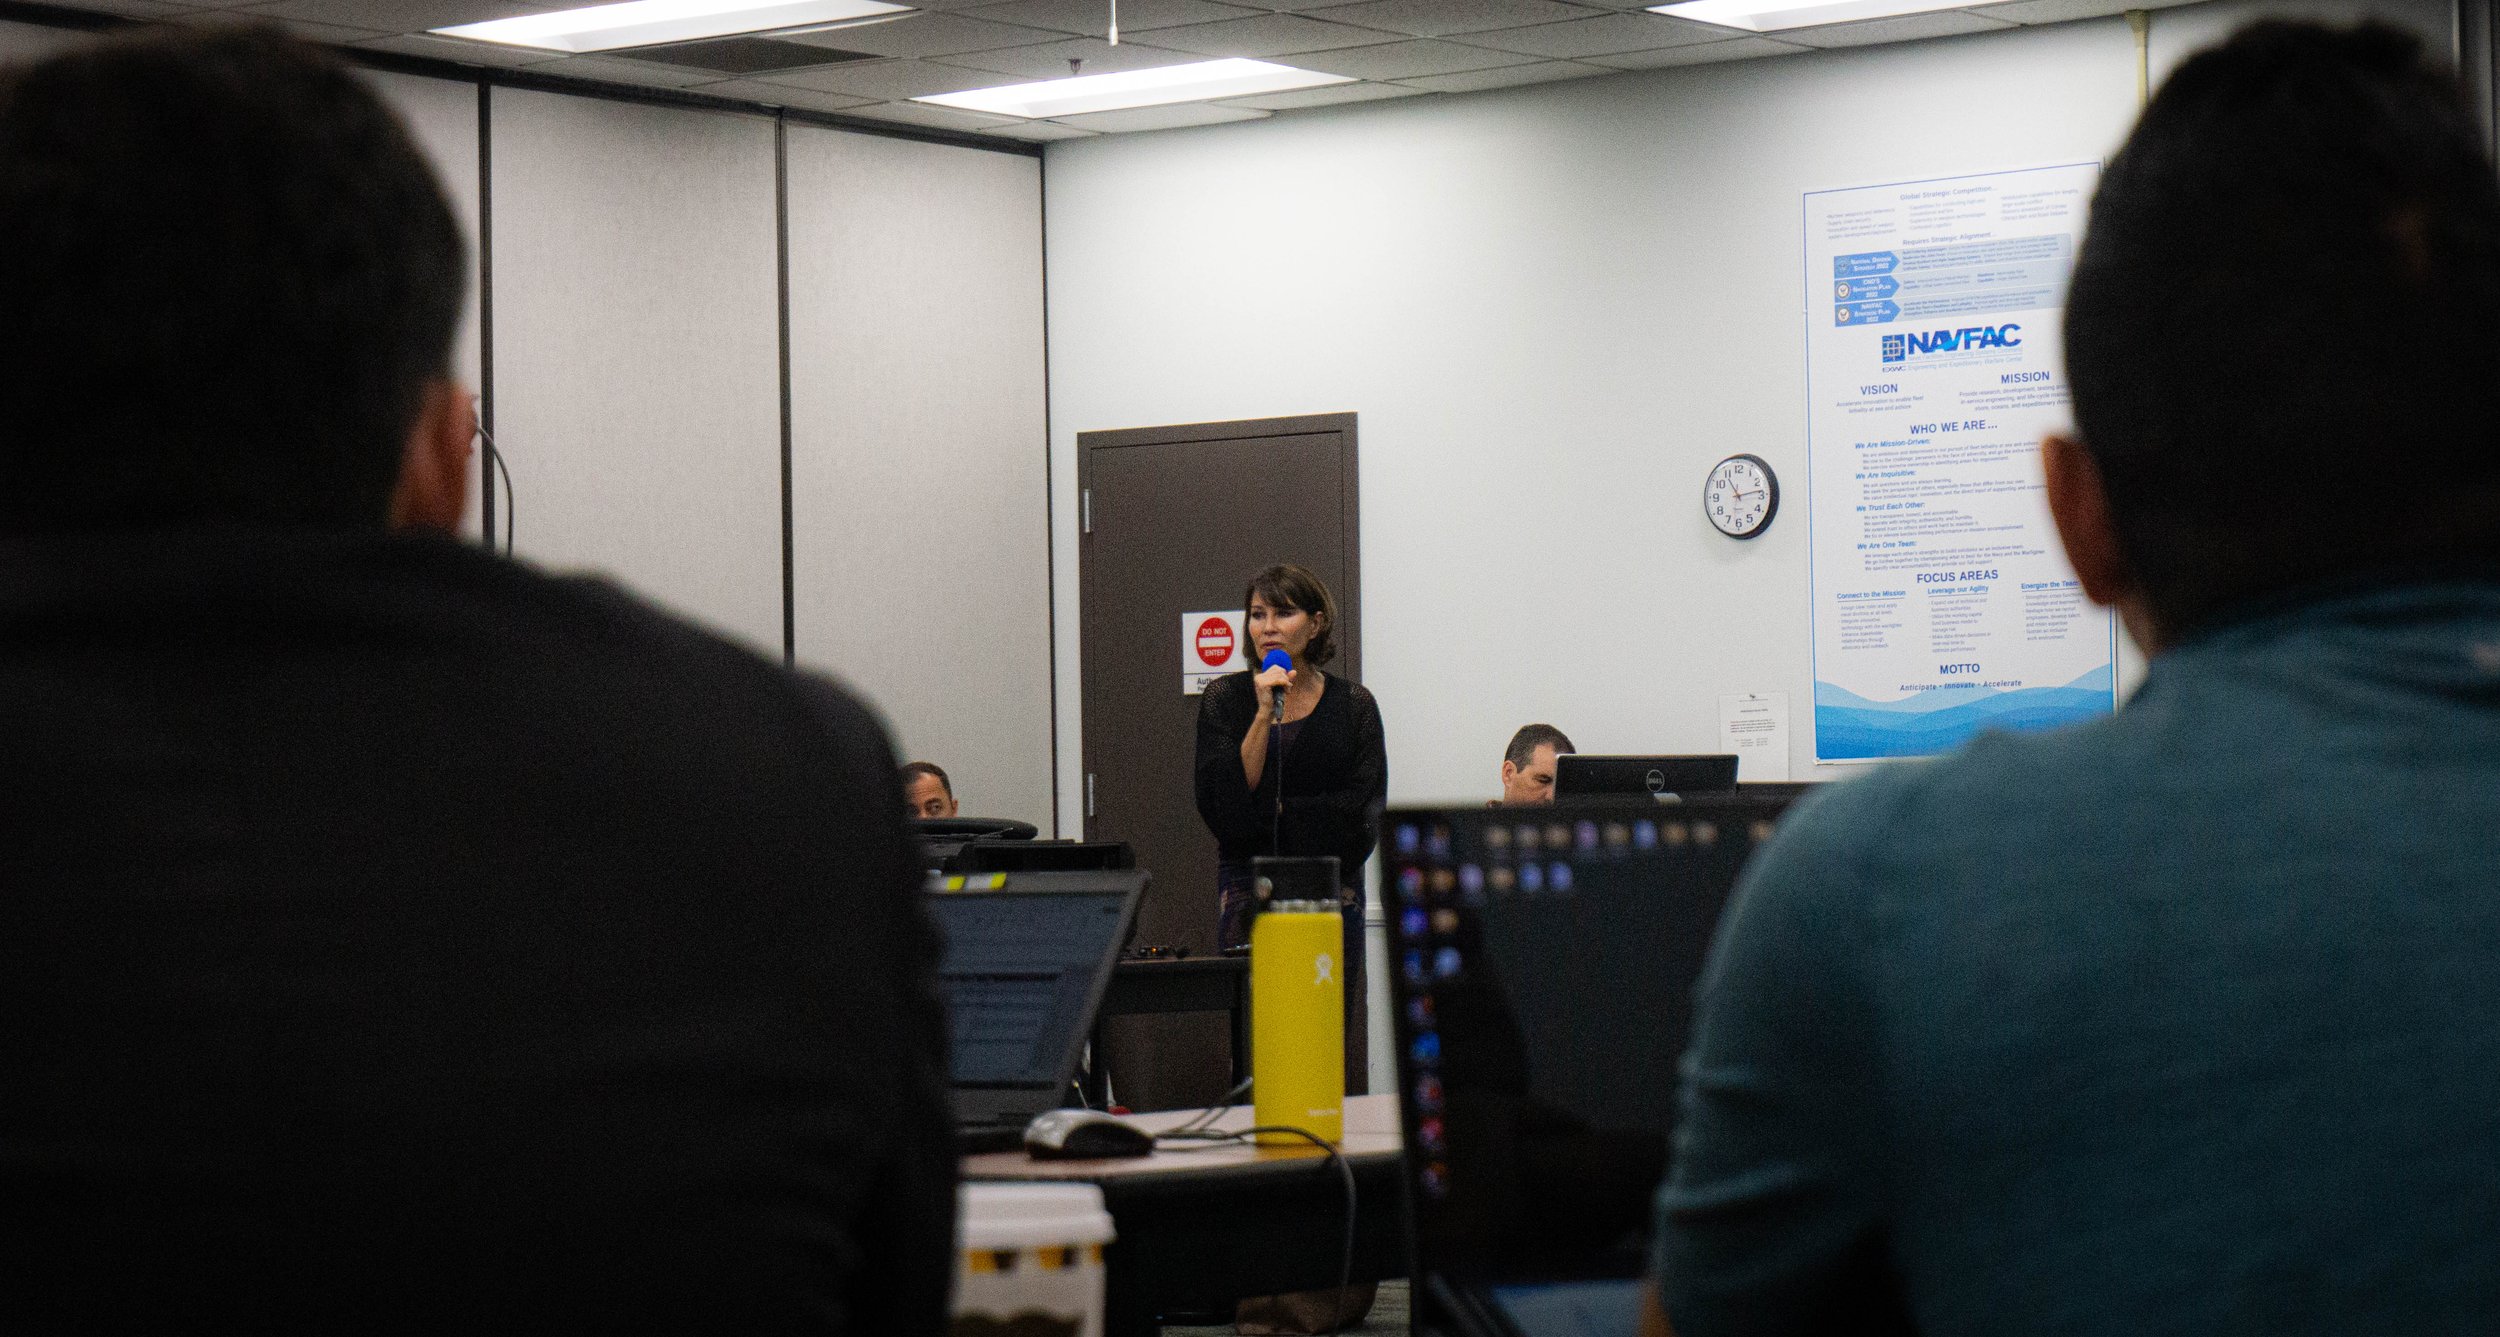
x=1028, y=1260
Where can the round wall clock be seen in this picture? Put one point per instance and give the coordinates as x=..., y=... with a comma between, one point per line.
x=1742, y=496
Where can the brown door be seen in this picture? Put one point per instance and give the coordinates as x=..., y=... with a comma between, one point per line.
x=1174, y=520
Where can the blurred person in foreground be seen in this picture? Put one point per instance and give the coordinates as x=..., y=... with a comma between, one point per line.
x=2188, y=1019
x=395, y=938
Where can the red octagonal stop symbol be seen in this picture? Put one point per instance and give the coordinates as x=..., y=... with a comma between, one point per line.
x=1215, y=642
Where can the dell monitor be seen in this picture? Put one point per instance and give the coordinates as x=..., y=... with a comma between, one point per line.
x=1580, y=775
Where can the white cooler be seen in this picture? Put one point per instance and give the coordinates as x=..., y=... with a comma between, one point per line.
x=1028, y=1260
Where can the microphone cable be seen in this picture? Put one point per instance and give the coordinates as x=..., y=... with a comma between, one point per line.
x=1276, y=759
x=1207, y=1117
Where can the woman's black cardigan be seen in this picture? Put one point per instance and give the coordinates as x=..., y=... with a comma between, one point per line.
x=1336, y=776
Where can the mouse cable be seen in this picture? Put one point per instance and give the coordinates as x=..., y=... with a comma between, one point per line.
x=1345, y=1175
x=1206, y=1118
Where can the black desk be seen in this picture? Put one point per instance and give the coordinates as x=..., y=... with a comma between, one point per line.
x=1190, y=984
x=1202, y=1227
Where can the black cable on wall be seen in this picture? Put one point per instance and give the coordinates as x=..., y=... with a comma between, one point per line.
x=486, y=307
x=781, y=258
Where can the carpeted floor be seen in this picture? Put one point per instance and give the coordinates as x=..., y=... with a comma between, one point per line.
x=1388, y=1316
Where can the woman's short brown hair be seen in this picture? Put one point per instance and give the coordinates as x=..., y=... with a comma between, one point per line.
x=1289, y=586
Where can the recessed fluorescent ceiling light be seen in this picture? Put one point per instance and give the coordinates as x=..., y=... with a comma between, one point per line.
x=1200, y=81
x=650, y=22
x=1774, y=15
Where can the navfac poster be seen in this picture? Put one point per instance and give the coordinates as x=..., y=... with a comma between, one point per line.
x=1943, y=604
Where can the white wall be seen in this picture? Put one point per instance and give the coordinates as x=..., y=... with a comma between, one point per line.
x=918, y=451
x=2178, y=34
x=1553, y=308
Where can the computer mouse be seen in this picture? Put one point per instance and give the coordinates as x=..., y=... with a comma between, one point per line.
x=1084, y=1135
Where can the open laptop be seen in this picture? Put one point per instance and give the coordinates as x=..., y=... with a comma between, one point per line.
x=1584, y=775
x=1027, y=958
x=1543, y=971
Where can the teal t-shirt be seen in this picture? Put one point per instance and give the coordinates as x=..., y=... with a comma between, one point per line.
x=2186, y=1020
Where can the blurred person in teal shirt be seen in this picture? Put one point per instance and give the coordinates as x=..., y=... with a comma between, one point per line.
x=2188, y=1019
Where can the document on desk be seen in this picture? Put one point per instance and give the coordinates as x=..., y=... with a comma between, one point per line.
x=1943, y=604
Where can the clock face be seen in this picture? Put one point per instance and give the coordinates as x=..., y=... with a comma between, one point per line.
x=1741, y=496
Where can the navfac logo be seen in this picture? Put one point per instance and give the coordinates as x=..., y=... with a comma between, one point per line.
x=1970, y=339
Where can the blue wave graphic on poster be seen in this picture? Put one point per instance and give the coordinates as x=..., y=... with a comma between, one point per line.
x=1849, y=727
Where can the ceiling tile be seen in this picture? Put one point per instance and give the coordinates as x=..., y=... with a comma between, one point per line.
x=395, y=16
x=1268, y=35
x=1041, y=131
x=643, y=73
x=1907, y=28
x=782, y=95
x=1704, y=53
x=1440, y=18
x=1330, y=96
x=1176, y=117
x=891, y=80
x=1605, y=35
x=1476, y=81
x=1051, y=61
x=921, y=35
x=492, y=54
x=1405, y=60
x=1091, y=18
x=938, y=118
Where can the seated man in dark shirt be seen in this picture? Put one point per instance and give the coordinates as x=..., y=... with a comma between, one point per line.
x=392, y=937
x=2186, y=1020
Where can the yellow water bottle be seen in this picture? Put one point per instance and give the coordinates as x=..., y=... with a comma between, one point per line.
x=1297, y=1020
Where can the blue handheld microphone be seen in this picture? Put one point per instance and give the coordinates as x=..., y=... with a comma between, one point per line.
x=1277, y=659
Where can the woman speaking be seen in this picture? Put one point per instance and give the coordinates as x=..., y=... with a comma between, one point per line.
x=1305, y=782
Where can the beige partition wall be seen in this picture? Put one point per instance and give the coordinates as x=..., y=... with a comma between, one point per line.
x=637, y=351
x=442, y=117
x=918, y=450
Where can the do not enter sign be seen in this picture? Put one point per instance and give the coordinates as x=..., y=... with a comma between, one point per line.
x=1208, y=642
x=1215, y=642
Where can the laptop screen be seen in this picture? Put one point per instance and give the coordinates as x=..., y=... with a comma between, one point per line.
x=1544, y=970
x=1024, y=968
